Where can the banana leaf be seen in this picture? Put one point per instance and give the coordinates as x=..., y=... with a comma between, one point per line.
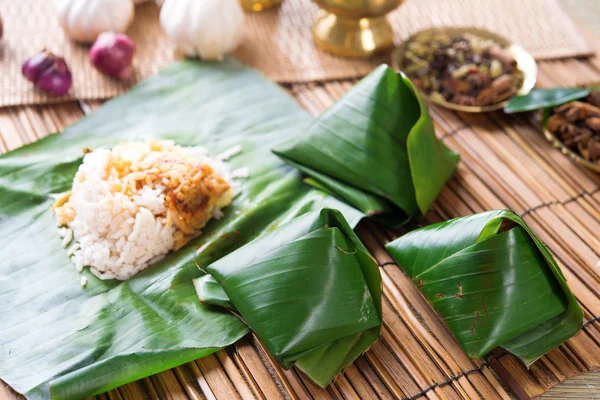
x=58, y=338
x=309, y=290
x=493, y=282
x=544, y=98
x=376, y=150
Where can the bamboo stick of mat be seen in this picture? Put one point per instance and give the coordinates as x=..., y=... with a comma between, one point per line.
x=506, y=163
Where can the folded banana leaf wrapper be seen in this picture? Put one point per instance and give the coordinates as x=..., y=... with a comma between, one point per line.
x=309, y=290
x=376, y=149
x=493, y=282
x=58, y=338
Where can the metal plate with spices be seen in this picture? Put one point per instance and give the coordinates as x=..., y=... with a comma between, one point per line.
x=525, y=64
x=557, y=143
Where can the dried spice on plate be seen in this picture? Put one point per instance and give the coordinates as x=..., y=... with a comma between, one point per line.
x=577, y=125
x=463, y=69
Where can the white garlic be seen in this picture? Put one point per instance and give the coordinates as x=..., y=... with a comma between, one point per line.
x=85, y=20
x=203, y=28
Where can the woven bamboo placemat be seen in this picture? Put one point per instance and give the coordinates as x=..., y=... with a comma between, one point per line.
x=505, y=163
x=278, y=42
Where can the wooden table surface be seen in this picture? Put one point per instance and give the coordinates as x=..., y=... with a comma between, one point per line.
x=505, y=163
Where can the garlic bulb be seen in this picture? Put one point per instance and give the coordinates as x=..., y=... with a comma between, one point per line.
x=203, y=28
x=84, y=20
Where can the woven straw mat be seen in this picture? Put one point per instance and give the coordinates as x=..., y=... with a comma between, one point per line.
x=278, y=42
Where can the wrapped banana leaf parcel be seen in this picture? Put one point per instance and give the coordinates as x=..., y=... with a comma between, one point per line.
x=493, y=282
x=375, y=149
x=309, y=290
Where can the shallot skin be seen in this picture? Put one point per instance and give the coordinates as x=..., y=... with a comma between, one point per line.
x=112, y=54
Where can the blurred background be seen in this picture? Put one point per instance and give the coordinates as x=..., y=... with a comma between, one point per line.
x=586, y=12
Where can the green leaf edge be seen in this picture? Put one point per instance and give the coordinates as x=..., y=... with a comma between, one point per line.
x=572, y=313
x=448, y=160
x=529, y=103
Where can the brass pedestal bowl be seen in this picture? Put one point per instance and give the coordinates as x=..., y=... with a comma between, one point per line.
x=354, y=28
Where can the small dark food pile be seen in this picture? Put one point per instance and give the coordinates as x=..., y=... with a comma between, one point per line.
x=462, y=69
x=577, y=125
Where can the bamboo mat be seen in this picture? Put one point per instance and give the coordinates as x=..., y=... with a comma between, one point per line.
x=506, y=163
x=277, y=42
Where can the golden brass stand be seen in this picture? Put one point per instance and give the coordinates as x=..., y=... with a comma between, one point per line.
x=259, y=5
x=354, y=28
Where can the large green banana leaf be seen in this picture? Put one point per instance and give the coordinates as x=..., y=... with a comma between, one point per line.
x=493, y=282
x=376, y=149
x=309, y=290
x=57, y=337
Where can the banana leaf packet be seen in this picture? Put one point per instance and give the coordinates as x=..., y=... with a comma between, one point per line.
x=493, y=282
x=309, y=290
x=376, y=149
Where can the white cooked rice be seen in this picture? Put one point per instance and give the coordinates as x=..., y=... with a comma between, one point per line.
x=240, y=173
x=227, y=154
x=73, y=249
x=67, y=235
x=118, y=235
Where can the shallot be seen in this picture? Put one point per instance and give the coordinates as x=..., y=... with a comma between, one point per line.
x=48, y=72
x=112, y=54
